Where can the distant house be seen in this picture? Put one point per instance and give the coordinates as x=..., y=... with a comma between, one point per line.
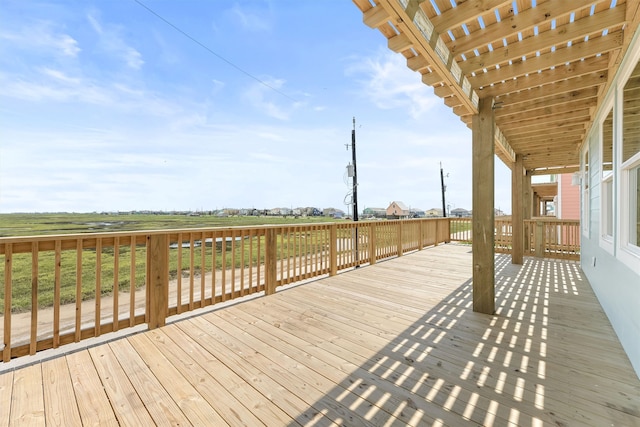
x=333, y=213
x=460, y=213
x=433, y=212
x=374, y=212
x=397, y=210
x=556, y=195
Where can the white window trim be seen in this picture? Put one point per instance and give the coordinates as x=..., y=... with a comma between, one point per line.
x=626, y=253
x=606, y=241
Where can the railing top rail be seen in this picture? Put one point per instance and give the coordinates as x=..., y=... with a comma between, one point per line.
x=542, y=219
x=111, y=234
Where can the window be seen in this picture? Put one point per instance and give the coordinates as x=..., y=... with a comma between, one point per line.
x=630, y=167
x=634, y=206
x=606, y=192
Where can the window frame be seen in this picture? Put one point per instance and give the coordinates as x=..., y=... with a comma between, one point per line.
x=626, y=252
x=607, y=211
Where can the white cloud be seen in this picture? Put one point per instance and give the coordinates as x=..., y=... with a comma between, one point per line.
x=251, y=19
x=388, y=83
x=261, y=98
x=112, y=41
x=43, y=36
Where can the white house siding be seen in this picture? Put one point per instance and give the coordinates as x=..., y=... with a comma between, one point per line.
x=615, y=282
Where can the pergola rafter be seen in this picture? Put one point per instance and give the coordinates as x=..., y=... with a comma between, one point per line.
x=546, y=64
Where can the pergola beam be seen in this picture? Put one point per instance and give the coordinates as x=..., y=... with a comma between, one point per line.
x=523, y=21
x=557, y=37
x=427, y=41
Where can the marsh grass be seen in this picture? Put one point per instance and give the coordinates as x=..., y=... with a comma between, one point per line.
x=228, y=254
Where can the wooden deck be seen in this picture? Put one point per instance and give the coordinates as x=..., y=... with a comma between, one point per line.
x=392, y=344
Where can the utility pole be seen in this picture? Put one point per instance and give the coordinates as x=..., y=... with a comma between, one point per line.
x=444, y=206
x=355, y=172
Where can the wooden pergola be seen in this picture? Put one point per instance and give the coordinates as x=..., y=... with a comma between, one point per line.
x=525, y=75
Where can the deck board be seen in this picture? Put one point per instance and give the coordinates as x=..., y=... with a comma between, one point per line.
x=391, y=344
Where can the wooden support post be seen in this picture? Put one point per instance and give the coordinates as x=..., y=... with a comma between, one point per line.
x=436, y=238
x=421, y=238
x=333, y=249
x=399, y=240
x=372, y=243
x=270, y=261
x=517, y=211
x=157, y=280
x=483, y=210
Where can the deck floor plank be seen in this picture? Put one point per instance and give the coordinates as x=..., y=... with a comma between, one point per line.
x=6, y=390
x=290, y=403
x=27, y=401
x=91, y=397
x=401, y=362
x=161, y=407
x=61, y=408
x=391, y=344
x=297, y=378
x=203, y=369
x=227, y=405
x=194, y=405
x=345, y=367
x=127, y=405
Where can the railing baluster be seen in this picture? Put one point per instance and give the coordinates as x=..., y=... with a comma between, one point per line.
x=203, y=267
x=56, y=294
x=33, y=340
x=191, y=268
x=223, y=247
x=98, y=290
x=233, y=264
x=78, y=326
x=8, y=263
x=214, y=265
x=270, y=260
x=132, y=283
x=179, y=274
x=251, y=238
x=116, y=282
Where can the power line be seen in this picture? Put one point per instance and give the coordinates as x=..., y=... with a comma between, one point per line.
x=193, y=39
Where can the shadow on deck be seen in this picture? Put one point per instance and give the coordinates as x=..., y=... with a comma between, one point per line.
x=392, y=344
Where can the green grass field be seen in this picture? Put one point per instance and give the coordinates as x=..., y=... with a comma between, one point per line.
x=69, y=223
x=47, y=224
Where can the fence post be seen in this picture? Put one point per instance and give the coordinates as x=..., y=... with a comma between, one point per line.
x=539, y=238
x=399, y=240
x=420, y=234
x=157, y=280
x=333, y=249
x=270, y=260
x=448, y=235
x=372, y=243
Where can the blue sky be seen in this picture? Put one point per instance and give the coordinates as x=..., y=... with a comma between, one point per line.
x=105, y=107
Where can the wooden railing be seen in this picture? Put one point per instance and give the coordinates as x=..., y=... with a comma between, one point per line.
x=61, y=289
x=552, y=238
x=543, y=237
